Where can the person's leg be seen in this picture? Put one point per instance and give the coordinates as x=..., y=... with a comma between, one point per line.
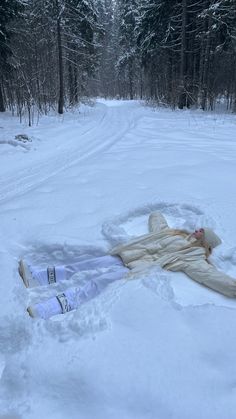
x=79, y=295
x=88, y=264
x=51, y=274
x=72, y=298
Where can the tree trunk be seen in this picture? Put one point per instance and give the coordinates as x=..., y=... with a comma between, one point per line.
x=141, y=83
x=233, y=94
x=71, y=84
x=37, y=74
x=76, y=93
x=182, y=92
x=206, y=66
x=2, y=105
x=60, y=62
x=131, y=81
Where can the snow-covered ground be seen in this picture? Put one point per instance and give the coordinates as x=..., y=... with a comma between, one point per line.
x=158, y=347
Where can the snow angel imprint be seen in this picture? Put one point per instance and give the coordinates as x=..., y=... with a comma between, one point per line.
x=171, y=249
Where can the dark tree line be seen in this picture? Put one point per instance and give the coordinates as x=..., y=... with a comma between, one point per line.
x=180, y=53
x=53, y=53
x=183, y=51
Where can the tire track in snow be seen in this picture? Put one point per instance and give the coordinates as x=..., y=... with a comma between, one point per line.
x=114, y=124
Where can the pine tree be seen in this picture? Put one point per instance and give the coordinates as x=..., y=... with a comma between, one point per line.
x=217, y=35
x=8, y=11
x=177, y=52
x=127, y=62
x=158, y=40
x=82, y=33
x=107, y=50
x=184, y=44
x=55, y=53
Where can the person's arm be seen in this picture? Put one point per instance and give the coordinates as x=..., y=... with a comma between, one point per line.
x=206, y=274
x=157, y=222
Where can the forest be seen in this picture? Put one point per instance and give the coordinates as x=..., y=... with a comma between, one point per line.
x=56, y=53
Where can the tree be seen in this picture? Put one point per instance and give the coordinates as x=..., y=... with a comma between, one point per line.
x=127, y=62
x=108, y=49
x=217, y=35
x=176, y=52
x=8, y=11
x=55, y=53
x=183, y=45
x=158, y=40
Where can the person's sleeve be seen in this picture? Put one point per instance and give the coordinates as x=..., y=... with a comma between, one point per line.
x=208, y=275
x=157, y=222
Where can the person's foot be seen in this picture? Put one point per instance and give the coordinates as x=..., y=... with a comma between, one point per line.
x=24, y=272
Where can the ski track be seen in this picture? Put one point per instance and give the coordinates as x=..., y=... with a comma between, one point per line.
x=113, y=122
x=116, y=122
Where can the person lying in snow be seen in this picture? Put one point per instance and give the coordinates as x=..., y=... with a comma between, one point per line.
x=171, y=249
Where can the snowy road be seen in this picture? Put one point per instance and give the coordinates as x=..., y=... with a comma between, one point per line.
x=158, y=347
x=108, y=127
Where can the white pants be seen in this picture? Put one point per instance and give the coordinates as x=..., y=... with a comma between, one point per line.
x=72, y=298
x=52, y=274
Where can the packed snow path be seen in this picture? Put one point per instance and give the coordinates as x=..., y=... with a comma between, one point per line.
x=108, y=127
x=161, y=346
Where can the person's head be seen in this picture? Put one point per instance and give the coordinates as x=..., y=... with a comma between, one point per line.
x=198, y=234
x=208, y=238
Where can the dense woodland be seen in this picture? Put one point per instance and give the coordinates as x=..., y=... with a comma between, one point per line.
x=55, y=53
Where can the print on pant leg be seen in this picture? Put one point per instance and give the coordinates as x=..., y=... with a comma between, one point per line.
x=63, y=303
x=51, y=274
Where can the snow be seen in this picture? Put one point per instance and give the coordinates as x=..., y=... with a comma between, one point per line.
x=160, y=346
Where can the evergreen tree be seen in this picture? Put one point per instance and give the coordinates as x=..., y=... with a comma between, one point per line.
x=127, y=63
x=159, y=40
x=56, y=44
x=107, y=50
x=183, y=44
x=8, y=11
x=217, y=36
x=177, y=52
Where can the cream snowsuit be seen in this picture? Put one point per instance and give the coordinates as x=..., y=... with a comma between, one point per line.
x=174, y=252
x=171, y=249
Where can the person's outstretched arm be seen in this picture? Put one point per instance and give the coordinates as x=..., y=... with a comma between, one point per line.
x=157, y=222
x=208, y=275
